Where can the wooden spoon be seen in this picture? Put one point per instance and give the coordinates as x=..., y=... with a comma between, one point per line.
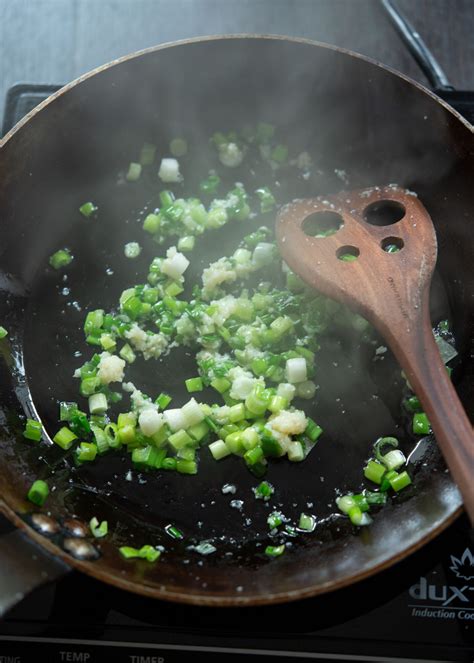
x=380, y=262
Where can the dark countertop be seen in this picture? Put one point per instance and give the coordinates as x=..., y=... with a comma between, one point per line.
x=54, y=41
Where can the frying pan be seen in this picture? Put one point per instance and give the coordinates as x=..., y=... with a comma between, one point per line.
x=354, y=115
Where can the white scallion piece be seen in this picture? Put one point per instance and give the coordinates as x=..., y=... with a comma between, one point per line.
x=175, y=419
x=192, y=413
x=150, y=422
x=263, y=254
x=134, y=172
x=296, y=370
x=169, y=171
x=219, y=450
x=394, y=459
x=175, y=264
x=98, y=404
x=132, y=250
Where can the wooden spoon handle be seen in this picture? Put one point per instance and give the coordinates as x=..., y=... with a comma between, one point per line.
x=419, y=356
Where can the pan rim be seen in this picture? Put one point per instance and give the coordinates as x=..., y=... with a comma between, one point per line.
x=207, y=599
x=229, y=37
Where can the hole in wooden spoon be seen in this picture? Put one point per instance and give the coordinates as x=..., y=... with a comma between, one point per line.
x=348, y=253
x=392, y=244
x=384, y=213
x=322, y=224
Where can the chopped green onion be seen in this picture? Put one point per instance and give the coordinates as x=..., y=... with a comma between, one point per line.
x=98, y=531
x=194, y=384
x=186, y=466
x=374, y=471
x=447, y=351
x=145, y=552
x=307, y=522
x=67, y=410
x=174, y=532
x=178, y=147
x=100, y=440
x=361, y=501
x=147, y=154
x=219, y=449
x=199, y=431
x=187, y=453
x=205, y=548
x=375, y=498
x=296, y=452
x=257, y=401
x=86, y=452
x=94, y=321
x=357, y=517
x=134, y=172
x=348, y=257
x=210, y=184
x=98, y=404
x=277, y=403
x=127, y=353
x=65, y=438
x=383, y=442
x=33, y=430
x=60, y=259
x=413, y=404
x=211, y=423
x=345, y=503
x=267, y=199
x=313, y=431
x=89, y=386
x=279, y=154
x=180, y=439
x=163, y=401
x=237, y=413
x=264, y=491
x=168, y=463
x=87, y=209
x=271, y=446
x=3, y=332
x=250, y=438
x=186, y=243
x=151, y=224
x=394, y=459
x=275, y=519
x=220, y=384
x=234, y=443
x=254, y=456
x=400, y=481
x=388, y=477
x=38, y=492
x=421, y=424
x=112, y=435
x=132, y=250
x=107, y=341
x=275, y=551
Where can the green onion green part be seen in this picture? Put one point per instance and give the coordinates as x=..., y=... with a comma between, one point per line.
x=33, y=430
x=98, y=531
x=87, y=209
x=275, y=551
x=60, y=259
x=38, y=492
